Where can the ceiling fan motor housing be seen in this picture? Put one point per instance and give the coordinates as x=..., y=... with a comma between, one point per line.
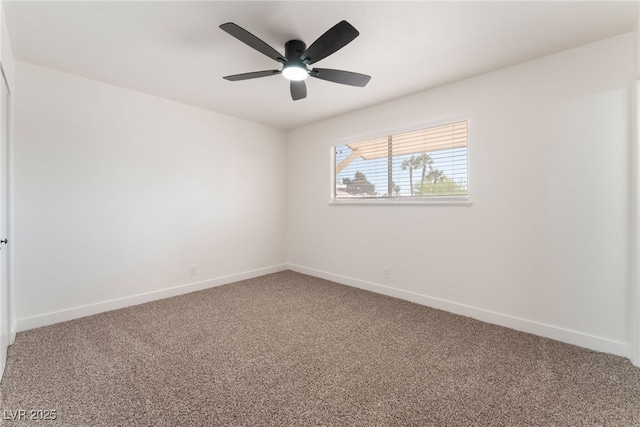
x=293, y=50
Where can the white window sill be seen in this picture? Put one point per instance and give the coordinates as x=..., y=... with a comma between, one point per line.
x=420, y=201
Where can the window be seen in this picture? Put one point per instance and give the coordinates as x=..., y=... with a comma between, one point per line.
x=426, y=164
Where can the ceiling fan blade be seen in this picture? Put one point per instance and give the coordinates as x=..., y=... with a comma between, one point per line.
x=253, y=75
x=340, y=76
x=249, y=39
x=333, y=40
x=298, y=90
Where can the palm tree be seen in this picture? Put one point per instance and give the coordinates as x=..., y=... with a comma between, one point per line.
x=426, y=161
x=416, y=162
x=411, y=163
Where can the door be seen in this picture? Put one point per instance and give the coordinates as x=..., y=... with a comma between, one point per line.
x=4, y=229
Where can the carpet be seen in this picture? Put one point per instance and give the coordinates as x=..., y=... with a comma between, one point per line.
x=288, y=349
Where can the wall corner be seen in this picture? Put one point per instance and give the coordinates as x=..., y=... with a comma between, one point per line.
x=634, y=205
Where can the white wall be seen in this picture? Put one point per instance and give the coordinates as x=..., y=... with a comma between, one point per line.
x=6, y=52
x=542, y=248
x=117, y=193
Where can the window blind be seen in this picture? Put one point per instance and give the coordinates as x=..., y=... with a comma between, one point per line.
x=430, y=162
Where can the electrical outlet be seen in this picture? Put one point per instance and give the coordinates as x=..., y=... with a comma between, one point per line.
x=386, y=272
x=192, y=270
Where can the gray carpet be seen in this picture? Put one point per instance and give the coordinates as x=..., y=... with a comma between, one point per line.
x=289, y=349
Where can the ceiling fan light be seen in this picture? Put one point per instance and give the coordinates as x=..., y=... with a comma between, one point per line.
x=295, y=73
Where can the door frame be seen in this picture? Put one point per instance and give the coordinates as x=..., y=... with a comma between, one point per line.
x=8, y=175
x=634, y=226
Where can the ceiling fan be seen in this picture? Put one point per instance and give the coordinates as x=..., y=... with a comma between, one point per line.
x=297, y=57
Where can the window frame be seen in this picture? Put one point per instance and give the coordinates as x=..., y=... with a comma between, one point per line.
x=453, y=200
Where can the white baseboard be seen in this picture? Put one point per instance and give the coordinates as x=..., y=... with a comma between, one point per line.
x=524, y=325
x=100, y=307
x=549, y=331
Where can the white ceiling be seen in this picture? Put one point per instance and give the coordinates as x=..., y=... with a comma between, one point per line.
x=175, y=50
